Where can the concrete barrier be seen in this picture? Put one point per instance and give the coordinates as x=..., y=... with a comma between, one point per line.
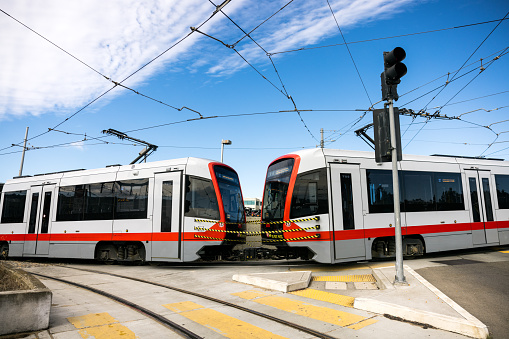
x=27, y=308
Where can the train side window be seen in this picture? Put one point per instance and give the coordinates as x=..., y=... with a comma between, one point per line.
x=380, y=193
x=71, y=201
x=13, y=207
x=45, y=212
x=131, y=199
x=448, y=192
x=100, y=201
x=418, y=191
x=166, y=206
x=201, y=200
x=472, y=182
x=347, y=201
x=33, y=213
x=310, y=194
x=502, y=183
x=487, y=198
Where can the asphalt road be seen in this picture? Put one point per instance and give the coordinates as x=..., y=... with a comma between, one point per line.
x=482, y=288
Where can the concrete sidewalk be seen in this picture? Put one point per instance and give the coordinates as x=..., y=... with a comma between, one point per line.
x=373, y=290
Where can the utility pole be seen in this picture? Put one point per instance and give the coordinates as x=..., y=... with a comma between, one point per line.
x=321, y=140
x=394, y=69
x=400, y=275
x=23, y=154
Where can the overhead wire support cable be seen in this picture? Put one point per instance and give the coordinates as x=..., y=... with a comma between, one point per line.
x=275, y=69
x=236, y=51
x=349, y=52
x=257, y=44
x=448, y=76
x=156, y=100
x=51, y=42
x=439, y=109
x=390, y=37
x=117, y=83
x=251, y=31
x=482, y=69
x=471, y=55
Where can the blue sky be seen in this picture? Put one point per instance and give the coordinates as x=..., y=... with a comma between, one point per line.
x=41, y=85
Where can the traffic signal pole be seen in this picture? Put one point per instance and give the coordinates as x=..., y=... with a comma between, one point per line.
x=400, y=275
x=394, y=69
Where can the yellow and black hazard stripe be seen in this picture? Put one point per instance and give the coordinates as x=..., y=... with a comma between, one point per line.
x=282, y=222
x=314, y=236
x=317, y=227
x=258, y=221
x=219, y=222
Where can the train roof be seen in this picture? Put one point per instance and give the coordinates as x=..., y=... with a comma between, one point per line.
x=163, y=165
x=318, y=155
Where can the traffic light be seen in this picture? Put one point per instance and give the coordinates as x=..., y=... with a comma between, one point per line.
x=394, y=69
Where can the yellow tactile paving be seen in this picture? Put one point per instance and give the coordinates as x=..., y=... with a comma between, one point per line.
x=339, y=268
x=332, y=298
x=249, y=295
x=221, y=323
x=101, y=326
x=504, y=251
x=346, y=278
x=183, y=306
x=320, y=313
x=91, y=320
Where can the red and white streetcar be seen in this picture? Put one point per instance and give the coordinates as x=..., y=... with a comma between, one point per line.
x=142, y=212
x=335, y=206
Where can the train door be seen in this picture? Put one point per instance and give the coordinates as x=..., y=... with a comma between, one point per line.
x=167, y=228
x=347, y=220
x=484, y=229
x=37, y=234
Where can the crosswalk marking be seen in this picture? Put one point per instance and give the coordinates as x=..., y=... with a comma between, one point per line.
x=223, y=324
x=320, y=313
x=100, y=326
x=332, y=298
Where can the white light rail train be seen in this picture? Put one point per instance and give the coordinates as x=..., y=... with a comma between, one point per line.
x=143, y=212
x=335, y=206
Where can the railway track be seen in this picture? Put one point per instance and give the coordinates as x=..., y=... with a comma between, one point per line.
x=182, y=331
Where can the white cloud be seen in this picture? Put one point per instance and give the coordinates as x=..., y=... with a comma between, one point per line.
x=304, y=23
x=113, y=37
x=117, y=37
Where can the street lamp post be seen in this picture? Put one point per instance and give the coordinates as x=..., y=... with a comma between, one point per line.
x=224, y=142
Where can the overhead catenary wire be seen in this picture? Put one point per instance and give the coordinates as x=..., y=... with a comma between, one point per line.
x=283, y=91
x=389, y=37
x=115, y=83
x=270, y=17
x=470, y=56
x=448, y=74
x=504, y=52
x=349, y=52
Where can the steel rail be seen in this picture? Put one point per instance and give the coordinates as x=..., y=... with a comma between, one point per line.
x=157, y=317
x=222, y=302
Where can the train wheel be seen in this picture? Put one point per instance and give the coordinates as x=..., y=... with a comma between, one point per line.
x=4, y=251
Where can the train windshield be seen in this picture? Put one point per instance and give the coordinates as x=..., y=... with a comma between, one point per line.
x=231, y=195
x=276, y=189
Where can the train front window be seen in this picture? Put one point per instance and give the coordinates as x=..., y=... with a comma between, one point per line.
x=231, y=195
x=276, y=189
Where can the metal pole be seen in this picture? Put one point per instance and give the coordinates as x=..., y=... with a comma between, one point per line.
x=222, y=150
x=23, y=154
x=400, y=276
x=321, y=140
